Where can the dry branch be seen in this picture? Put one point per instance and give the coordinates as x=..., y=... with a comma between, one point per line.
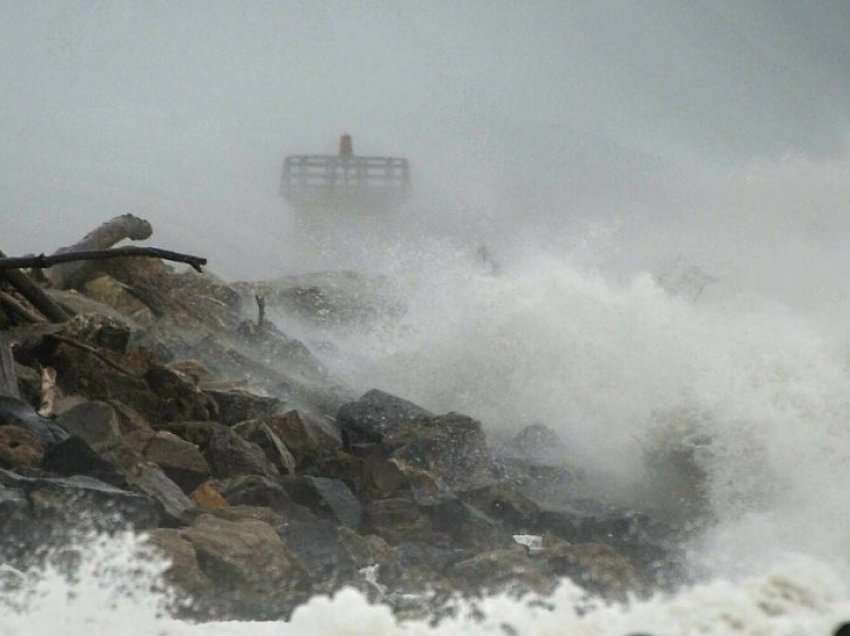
x=8, y=375
x=42, y=262
x=21, y=312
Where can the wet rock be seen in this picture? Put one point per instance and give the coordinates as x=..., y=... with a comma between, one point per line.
x=375, y=415
x=538, y=444
x=504, y=502
x=236, y=405
x=184, y=572
x=152, y=481
x=453, y=447
x=129, y=419
x=179, y=399
x=29, y=384
x=389, y=477
x=328, y=498
x=257, y=513
x=15, y=412
x=19, y=448
x=94, y=422
x=596, y=567
x=245, y=557
x=230, y=455
x=60, y=504
x=182, y=461
x=255, y=490
x=465, y=525
x=259, y=433
x=314, y=543
x=398, y=520
x=308, y=437
x=496, y=569
x=207, y=496
x=74, y=456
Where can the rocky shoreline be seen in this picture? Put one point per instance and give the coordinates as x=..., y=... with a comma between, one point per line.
x=163, y=404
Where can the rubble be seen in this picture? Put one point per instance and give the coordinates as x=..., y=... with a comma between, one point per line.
x=165, y=406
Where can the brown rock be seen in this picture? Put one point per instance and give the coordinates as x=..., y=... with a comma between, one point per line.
x=595, y=566
x=184, y=571
x=206, y=496
x=182, y=461
x=246, y=555
x=95, y=422
x=229, y=455
x=237, y=405
x=19, y=447
x=306, y=436
x=259, y=433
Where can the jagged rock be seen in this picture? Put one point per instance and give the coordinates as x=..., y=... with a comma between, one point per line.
x=257, y=513
x=184, y=572
x=181, y=461
x=236, y=405
x=375, y=415
x=179, y=399
x=398, y=520
x=388, y=477
x=19, y=448
x=599, y=568
x=207, y=496
x=229, y=455
x=129, y=419
x=499, y=568
x=94, y=422
x=14, y=412
x=329, y=498
x=149, y=479
x=255, y=490
x=314, y=542
x=452, y=447
x=258, y=432
x=503, y=501
x=60, y=504
x=74, y=456
x=538, y=444
x=309, y=438
x=198, y=433
x=245, y=558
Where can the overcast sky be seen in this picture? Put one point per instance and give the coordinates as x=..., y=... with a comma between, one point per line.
x=182, y=112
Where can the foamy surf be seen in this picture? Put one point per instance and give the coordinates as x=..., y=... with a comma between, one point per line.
x=115, y=588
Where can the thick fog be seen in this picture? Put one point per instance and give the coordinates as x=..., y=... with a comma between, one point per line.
x=524, y=120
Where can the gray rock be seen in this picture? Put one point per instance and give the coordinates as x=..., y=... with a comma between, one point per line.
x=236, y=405
x=94, y=422
x=375, y=415
x=329, y=498
x=259, y=433
x=230, y=455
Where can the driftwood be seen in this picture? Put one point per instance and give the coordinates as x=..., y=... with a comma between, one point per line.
x=47, y=408
x=8, y=375
x=41, y=261
x=74, y=273
x=33, y=293
x=17, y=310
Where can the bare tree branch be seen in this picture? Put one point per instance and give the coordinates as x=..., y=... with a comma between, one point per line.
x=42, y=261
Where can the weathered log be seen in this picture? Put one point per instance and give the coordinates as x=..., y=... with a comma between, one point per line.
x=42, y=262
x=8, y=375
x=74, y=273
x=34, y=294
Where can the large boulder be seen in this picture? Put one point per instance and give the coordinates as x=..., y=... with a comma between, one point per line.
x=94, y=422
x=329, y=498
x=248, y=563
x=181, y=461
x=259, y=491
x=308, y=437
x=375, y=415
x=230, y=455
x=184, y=572
x=261, y=434
x=238, y=405
x=452, y=447
x=597, y=567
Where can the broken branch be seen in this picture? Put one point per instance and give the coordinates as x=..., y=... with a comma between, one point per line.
x=33, y=293
x=42, y=261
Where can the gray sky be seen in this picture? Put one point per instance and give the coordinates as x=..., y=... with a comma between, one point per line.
x=528, y=112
